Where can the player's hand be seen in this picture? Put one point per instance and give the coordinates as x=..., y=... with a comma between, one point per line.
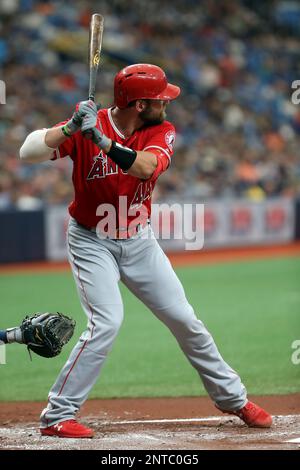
x=89, y=120
x=84, y=110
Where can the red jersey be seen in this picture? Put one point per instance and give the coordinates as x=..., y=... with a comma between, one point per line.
x=98, y=180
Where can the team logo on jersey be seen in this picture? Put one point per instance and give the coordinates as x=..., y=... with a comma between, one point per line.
x=143, y=192
x=103, y=167
x=98, y=169
x=170, y=139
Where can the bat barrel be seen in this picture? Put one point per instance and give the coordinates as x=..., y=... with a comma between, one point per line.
x=95, y=45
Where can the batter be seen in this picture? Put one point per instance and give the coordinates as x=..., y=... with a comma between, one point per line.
x=129, y=146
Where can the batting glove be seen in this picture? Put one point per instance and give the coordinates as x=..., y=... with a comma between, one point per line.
x=100, y=139
x=84, y=110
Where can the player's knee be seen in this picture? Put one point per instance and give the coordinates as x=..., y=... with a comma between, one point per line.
x=102, y=331
x=179, y=312
x=181, y=317
x=115, y=325
x=109, y=324
x=105, y=321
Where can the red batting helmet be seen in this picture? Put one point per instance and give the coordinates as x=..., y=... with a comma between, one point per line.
x=142, y=81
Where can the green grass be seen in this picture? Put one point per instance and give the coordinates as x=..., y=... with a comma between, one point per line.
x=251, y=308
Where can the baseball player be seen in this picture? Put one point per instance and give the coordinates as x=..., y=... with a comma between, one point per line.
x=118, y=155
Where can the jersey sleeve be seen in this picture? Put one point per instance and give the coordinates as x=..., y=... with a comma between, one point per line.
x=66, y=149
x=161, y=144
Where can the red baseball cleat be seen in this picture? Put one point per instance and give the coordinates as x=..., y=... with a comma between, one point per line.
x=253, y=415
x=69, y=428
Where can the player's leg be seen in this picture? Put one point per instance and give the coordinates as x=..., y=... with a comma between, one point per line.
x=96, y=275
x=148, y=273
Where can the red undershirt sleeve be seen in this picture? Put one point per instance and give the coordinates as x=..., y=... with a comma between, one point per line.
x=161, y=145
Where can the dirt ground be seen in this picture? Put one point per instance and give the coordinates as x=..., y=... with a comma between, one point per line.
x=157, y=423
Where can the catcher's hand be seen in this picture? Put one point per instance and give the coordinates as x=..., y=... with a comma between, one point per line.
x=46, y=333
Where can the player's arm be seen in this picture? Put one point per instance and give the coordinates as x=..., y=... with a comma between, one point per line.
x=137, y=163
x=144, y=165
x=55, y=136
x=3, y=336
x=11, y=335
x=39, y=145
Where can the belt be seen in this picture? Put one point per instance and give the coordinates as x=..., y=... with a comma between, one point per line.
x=121, y=233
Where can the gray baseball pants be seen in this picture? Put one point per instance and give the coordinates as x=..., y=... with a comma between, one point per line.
x=98, y=265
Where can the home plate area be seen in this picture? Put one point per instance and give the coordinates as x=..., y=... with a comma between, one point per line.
x=214, y=432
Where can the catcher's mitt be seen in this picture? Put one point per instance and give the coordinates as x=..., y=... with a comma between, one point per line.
x=46, y=333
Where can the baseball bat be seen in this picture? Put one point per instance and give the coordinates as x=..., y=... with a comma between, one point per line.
x=95, y=44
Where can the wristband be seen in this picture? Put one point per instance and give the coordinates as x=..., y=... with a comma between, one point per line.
x=65, y=131
x=123, y=156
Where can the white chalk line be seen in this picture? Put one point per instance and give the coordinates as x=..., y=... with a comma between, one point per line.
x=185, y=420
x=272, y=433
x=130, y=437
x=161, y=421
x=287, y=416
x=294, y=441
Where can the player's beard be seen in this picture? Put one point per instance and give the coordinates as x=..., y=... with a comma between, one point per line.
x=149, y=120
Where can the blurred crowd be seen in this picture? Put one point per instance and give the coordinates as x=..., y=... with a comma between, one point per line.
x=238, y=132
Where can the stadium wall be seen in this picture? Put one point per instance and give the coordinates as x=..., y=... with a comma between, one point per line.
x=40, y=235
x=22, y=236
